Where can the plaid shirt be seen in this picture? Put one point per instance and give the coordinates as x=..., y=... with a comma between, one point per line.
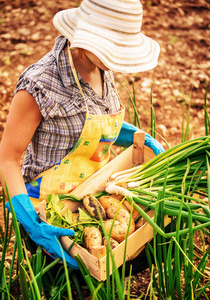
x=51, y=82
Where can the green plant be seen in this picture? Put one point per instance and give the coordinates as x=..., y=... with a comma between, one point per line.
x=135, y=120
x=24, y=53
x=35, y=277
x=6, y=279
x=168, y=184
x=174, y=264
x=7, y=60
x=173, y=39
x=186, y=127
x=151, y=175
x=2, y=21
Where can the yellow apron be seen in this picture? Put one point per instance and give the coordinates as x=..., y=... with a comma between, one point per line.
x=91, y=152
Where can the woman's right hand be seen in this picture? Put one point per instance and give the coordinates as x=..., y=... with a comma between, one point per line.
x=42, y=234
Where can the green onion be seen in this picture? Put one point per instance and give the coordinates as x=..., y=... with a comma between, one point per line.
x=151, y=175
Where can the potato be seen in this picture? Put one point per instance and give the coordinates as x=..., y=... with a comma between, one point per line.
x=92, y=237
x=118, y=231
x=108, y=200
x=111, y=204
x=123, y=217
x=135, y=213
x=113, y=242
x=90, y=205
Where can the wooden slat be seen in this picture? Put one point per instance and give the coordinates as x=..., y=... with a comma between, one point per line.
x=91, y=262
x=122, y=162
x=135, y=241
x=138, y=147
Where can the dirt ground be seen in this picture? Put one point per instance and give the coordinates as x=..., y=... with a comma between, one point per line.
x=182, y=29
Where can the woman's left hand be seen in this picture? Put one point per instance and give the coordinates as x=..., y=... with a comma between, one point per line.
x=125, y=138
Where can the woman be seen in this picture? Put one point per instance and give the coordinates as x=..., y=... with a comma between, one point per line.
x=66, y=112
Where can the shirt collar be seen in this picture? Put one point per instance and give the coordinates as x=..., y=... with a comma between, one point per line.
x=62, y=62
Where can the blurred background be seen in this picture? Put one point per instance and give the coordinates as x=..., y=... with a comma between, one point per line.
x=181, y=28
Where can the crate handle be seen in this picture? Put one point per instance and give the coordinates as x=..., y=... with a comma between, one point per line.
x=138, y=147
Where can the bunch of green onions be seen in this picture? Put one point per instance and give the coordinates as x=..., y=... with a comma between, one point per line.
x=178, y=177
x=175, y=183
x=193, y=155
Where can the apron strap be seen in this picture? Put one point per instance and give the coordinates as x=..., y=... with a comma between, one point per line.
x=75, y=74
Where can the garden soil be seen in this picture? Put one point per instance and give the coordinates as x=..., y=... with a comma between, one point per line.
x=178, y=83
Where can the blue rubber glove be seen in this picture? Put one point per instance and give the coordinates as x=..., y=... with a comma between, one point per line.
x=42, y=234
x=125, y=138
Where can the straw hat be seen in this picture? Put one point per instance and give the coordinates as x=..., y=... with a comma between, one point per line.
x=110, y=29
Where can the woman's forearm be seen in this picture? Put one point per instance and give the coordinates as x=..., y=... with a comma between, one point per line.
x=22, y=121
x=11, y=174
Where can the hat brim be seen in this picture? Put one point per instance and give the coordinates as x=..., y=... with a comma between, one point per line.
x=123, y=53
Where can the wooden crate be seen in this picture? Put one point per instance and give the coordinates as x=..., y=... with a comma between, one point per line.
x=96, y=262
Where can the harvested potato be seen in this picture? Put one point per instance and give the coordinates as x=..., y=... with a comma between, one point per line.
x=118, y=231
x=123, y=217
x=135, y=213
x=108, y=200
x=90, y=203
x=92, y=238
x=111, y=204
x=113, y=242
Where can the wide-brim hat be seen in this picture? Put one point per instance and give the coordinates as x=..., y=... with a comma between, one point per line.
x=110, y=29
